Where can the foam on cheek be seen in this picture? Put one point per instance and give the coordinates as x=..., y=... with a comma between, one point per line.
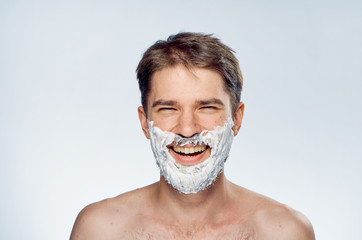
x=220, y=140
x=192, y=179
x=159, y=141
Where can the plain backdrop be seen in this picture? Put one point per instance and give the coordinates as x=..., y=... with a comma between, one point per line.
x=69, y=131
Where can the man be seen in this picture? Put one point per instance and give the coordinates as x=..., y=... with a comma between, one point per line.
x=191, y=110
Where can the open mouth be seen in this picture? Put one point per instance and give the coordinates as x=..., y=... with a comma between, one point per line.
x=189, y=151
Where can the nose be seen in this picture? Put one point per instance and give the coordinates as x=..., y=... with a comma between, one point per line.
x=187, y=125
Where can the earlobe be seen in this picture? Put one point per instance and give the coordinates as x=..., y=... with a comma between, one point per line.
x=238, y=118
x=143, y=120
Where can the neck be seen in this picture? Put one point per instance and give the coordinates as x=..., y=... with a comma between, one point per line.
x=193, y=208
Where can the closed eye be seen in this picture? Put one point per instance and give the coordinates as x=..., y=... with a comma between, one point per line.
x=209, y=107
x=166, y=109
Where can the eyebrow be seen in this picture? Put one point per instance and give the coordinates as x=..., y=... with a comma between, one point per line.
x=163, y=102
x=211, y=101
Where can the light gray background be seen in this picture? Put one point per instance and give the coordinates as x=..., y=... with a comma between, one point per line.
x=69, y=131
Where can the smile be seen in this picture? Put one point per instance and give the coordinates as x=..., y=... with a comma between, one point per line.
x=189, y=151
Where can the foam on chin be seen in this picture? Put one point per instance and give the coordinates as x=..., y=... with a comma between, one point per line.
x=192, y=179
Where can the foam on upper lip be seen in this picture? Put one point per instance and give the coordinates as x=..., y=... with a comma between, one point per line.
x=188, y=145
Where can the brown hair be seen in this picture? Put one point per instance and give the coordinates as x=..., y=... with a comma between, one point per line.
x=191, y=50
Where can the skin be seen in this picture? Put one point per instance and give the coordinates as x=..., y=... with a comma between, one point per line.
x=187, y=102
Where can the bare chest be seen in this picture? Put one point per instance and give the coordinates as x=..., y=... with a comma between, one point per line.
x=159, y=231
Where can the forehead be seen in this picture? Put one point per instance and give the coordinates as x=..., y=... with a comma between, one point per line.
x=183, y=83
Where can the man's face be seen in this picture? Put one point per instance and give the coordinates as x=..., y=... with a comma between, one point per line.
x=187, y=102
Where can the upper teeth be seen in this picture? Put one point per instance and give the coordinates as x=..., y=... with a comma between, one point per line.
x=189, y=150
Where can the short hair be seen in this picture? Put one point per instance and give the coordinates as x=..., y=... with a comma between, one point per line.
x=191, y=50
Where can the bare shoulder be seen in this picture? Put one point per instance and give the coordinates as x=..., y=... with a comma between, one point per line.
x=273, y=220
x=110, y=217
x=279, y=221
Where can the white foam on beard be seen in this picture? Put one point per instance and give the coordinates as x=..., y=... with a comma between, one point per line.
x=192, y=179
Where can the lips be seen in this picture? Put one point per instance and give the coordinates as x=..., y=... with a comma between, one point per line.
x=189, y=154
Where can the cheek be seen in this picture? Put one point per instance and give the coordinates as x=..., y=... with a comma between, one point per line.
x=165, y=123
x=209, y=122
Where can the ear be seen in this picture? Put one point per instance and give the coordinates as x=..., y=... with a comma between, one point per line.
x=238, y=118
x=143, y=120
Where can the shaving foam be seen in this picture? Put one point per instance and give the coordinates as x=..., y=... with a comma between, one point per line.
x=192, y=179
